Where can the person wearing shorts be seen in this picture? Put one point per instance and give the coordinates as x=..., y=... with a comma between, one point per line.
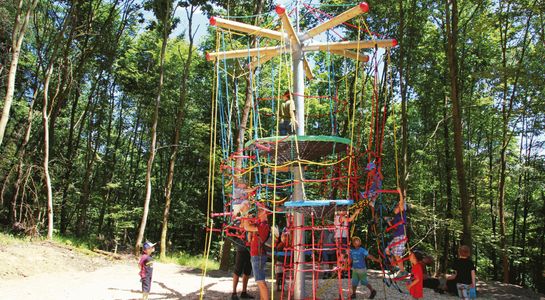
x=260, y=233
x=243, y=267
x=396, y=247
x=358, y=255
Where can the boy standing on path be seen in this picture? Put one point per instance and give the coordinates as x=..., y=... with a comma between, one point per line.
x=146, y=268
x=359, y=267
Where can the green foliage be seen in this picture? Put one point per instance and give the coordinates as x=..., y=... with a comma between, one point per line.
x=193, y=261
x=105, y=79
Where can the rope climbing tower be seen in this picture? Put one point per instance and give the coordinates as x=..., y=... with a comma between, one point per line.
x=312, y=180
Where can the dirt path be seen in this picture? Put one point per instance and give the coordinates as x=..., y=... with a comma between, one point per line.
x=120, y=281
x=48, y=271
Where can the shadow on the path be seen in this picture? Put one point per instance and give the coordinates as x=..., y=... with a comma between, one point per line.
x=209, y=273
x=172, y=295
x=172, y=291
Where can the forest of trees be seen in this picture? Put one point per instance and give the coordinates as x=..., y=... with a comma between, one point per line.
x=105, y=127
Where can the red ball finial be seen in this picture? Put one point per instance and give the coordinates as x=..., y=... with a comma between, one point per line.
x=364, y=7
x=280, y=9
x=394, y=42
x=213, y=21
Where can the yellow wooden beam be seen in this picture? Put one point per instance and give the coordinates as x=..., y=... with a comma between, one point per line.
x=345, y=16
x=294, y=39
x=246, y=28
x=351, y=54
x=257, y=62
x=350, y=45
x=267, y=51
x=308, y=70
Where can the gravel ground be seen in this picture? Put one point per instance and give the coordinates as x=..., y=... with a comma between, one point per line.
x=48, y=271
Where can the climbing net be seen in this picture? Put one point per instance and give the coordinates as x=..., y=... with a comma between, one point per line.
x=347, y=132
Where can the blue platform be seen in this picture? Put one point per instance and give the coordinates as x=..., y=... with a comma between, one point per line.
x=309, y=203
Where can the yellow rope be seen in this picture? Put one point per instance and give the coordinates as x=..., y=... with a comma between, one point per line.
x=211, y=172
x=304, y=161
x=353, y=113
x=278, y=108
x=394, y=120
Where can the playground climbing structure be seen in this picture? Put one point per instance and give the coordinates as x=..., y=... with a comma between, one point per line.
x=313, y=181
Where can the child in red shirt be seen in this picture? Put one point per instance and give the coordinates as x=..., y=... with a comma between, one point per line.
x=416, y=287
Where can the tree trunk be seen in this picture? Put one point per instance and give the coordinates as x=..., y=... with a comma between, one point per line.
x=47, y=178
x=81, y=224
x=448, y=183
x=177, y=126
x=22, y=151
x=512, y=267
x=507, y=107
x=527, y=196
x=225, y=261
x=166, y=29
x=19, y=28
x=452, y=35
x=493, y=257
x=111, y=167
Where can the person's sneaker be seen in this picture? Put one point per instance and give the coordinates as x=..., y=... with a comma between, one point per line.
x=245, y=295
x=373, y=294
x=234, y=297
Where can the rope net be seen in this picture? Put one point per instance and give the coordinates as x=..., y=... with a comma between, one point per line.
x=339, y=167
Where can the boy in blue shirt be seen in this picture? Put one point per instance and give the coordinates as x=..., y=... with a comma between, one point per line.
x=359, y=267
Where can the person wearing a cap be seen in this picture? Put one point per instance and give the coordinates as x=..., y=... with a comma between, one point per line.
x=288, y=122
x=146, y=268
x=260, y=230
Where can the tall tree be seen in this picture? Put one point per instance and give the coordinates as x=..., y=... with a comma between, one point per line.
x=241, y=130
x=452, y=57
x=19, y=28
x=47, y=177
x=177, y=127
x=509, y=92
x=163, y=10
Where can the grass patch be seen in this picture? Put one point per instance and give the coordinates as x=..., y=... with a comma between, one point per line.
x=81, y=245
x=9, y=239
x=193, y=261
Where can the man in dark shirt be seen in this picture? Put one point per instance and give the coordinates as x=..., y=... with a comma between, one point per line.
x=243, y=266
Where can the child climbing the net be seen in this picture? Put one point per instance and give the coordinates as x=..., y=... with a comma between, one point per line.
x=396, y=248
